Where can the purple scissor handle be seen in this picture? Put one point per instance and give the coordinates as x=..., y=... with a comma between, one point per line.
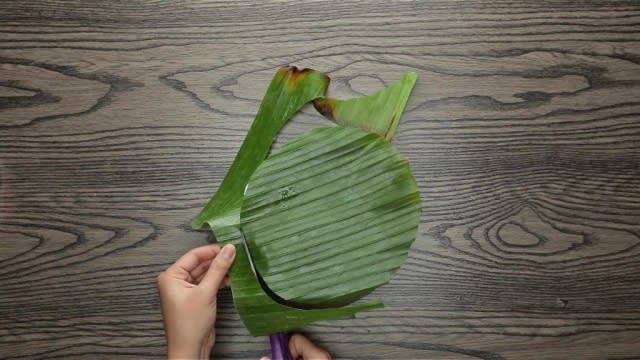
x=279, y=346
x=279, y=341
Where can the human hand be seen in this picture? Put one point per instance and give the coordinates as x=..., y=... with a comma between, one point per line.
x=188, y=291
x=302, y=348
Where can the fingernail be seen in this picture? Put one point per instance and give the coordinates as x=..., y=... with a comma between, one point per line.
x=228, y=251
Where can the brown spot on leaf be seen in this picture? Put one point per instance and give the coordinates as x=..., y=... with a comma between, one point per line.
x=324, y=107
x=293, y=74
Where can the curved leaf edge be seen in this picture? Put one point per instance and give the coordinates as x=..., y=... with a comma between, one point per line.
x=261, y=314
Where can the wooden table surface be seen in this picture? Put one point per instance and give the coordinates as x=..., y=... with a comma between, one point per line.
x=119, y=119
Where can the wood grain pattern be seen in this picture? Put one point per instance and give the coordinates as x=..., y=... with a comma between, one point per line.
x=119, y=119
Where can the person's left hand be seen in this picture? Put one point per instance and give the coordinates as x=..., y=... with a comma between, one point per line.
x=188, y=290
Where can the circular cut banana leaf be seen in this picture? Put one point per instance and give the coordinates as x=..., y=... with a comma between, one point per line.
x=330, y=215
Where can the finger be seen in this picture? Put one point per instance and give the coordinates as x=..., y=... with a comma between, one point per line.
x=198, y=280
x=264, y=358
x=200, y=270
x=189, y=261
x=226, y=282
x=300, y=346
x=218, y=269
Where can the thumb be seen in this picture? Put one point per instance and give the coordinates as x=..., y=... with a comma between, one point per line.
x=218, y=269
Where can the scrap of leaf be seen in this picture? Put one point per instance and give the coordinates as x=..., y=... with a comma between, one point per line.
x=378, y=113
x=290, y=89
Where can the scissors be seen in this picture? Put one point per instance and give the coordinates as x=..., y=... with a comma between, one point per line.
x=279, y=341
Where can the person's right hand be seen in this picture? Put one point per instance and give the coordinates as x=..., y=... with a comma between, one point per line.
x=302, y=348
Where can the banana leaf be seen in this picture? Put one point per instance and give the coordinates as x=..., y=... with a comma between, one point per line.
x=330, y=215
x=326, y=219
x=378, y=113
x=290, y=89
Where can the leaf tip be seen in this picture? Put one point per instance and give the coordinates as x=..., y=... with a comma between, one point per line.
x=410, y=77
x=197, y=223
x=293, y=75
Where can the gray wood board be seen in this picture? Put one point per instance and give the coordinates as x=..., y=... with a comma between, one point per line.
x=118, y=120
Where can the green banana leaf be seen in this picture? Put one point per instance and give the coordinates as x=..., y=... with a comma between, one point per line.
x=378, y=113
x=289, y=90
x=327, y=218
x=330, y=215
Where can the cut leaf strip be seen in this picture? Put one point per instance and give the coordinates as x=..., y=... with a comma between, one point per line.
x=289, y=90
x=378, y=113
